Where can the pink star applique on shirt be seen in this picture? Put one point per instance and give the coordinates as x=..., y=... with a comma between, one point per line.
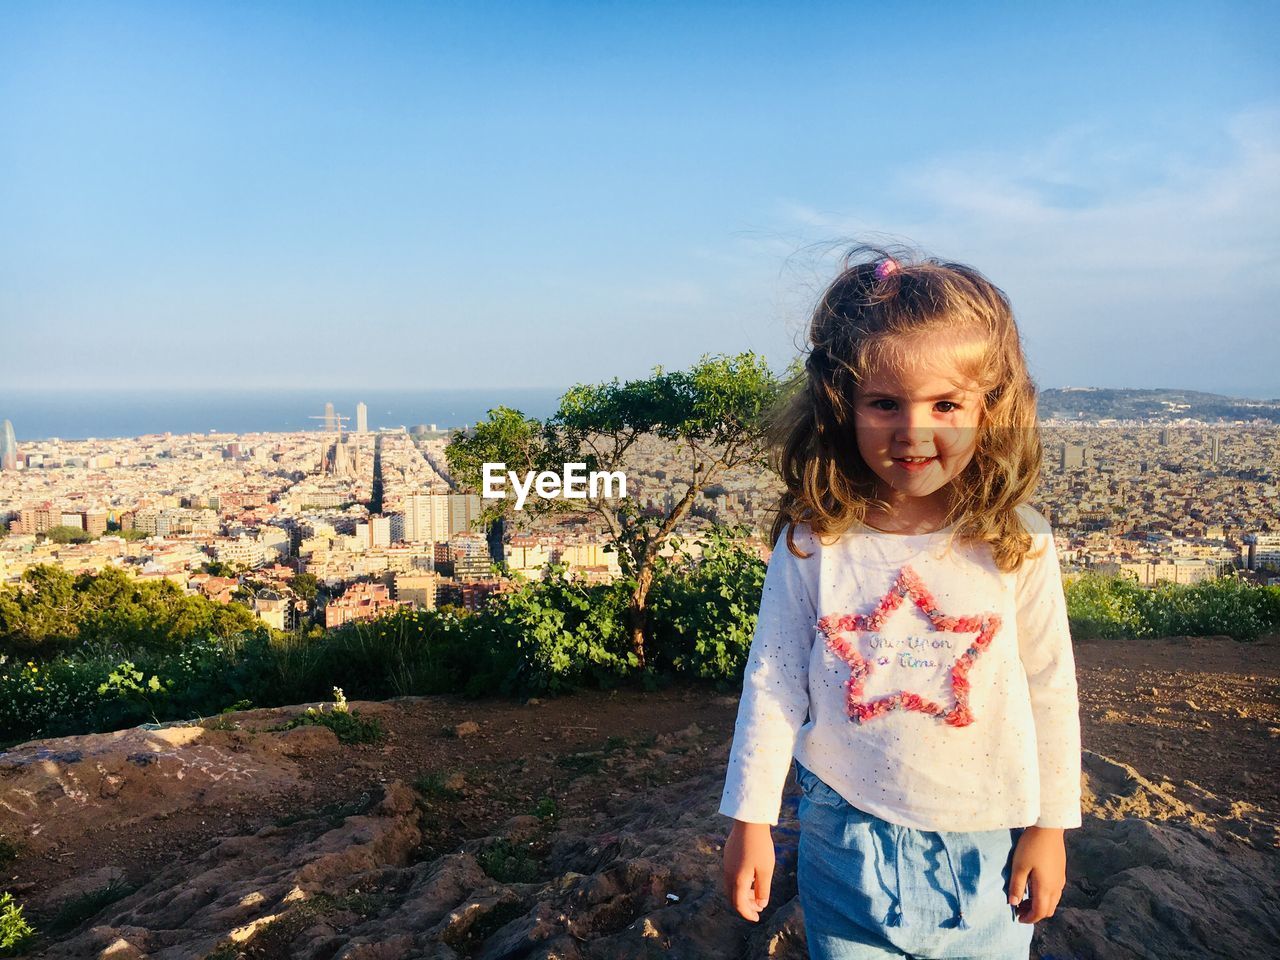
x=908, y=584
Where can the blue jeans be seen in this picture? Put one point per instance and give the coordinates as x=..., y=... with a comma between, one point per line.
x=873, y=889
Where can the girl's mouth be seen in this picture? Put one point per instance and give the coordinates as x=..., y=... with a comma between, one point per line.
x=913, y=463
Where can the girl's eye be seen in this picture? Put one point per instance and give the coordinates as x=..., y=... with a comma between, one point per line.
x=883, y=404
x=948, y=405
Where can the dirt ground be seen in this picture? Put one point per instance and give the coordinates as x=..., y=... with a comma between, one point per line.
x=1204, y=710
x=1187, y=708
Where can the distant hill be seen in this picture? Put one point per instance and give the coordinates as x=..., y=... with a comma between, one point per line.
x=1098, y=403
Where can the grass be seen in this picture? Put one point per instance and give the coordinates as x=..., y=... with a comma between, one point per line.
x=432, y=786
x=80, y=908
x=347, y=725
x=508, y=863
x=580, y=762
x=334, y=813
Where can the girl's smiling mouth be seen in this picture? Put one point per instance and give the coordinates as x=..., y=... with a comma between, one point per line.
x=914, y=463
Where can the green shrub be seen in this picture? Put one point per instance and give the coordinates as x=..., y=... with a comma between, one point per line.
x=556, y=634
x=53, y=611
x=80, y=908
x=433, y=787
x=347, y=724
x=1111, y=607
x=16, y=935
x=1101, y=607
x=109, y=688
x=508, y=863
x=704, y=612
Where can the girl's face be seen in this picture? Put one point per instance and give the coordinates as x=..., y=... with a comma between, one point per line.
x=917, y=430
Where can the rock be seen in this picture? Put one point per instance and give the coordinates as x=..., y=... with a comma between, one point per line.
x=466, y=729
x=456, y=782
x=1156, y=870
x=121, y=949
x=60, y=790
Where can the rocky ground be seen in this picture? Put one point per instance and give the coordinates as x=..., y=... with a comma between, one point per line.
x=586, y=827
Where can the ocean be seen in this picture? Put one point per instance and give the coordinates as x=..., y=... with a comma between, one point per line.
x=79, y=415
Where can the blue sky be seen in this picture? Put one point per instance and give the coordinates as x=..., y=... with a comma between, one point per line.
x=407, y=195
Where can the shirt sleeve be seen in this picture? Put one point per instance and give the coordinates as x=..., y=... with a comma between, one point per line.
x=775, y=690
x=1044, y=643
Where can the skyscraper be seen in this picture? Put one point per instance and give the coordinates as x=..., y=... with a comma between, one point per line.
x=8, y=447
x=330, y=422
x=362, y=418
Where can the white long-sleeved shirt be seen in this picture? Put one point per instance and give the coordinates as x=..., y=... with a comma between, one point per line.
x=877, y=705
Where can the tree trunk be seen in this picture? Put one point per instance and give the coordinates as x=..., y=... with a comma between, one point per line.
x=494, y=537
x=638, y=615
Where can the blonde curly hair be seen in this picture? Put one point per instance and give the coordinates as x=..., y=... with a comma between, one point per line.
x=869, y=318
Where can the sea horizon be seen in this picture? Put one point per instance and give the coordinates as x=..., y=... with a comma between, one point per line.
x=106, y=414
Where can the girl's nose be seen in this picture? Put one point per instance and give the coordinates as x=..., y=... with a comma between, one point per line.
x=913, y=425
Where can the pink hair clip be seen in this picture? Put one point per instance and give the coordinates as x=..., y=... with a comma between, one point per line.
x=886, y=267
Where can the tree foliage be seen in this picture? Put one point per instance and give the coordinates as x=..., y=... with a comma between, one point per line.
x=305, y=585
x=712, y=414
x=51, y=610
x=68, y=534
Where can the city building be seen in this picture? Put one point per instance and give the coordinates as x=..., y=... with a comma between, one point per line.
x=426, y=518
x=1264, y=550
x=362, y=418
x=464, y=508
x=417, y=589
x=1178, y=570
x=95, y=522
x=361, y=601
x=8, y=447
x=1072, y=456
x=273, y=609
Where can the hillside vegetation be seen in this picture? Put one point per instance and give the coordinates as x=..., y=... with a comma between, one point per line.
x=98, y=653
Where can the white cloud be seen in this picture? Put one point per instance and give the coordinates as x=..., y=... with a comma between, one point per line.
x=1168, y=261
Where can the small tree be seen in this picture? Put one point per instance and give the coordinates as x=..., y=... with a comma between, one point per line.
x=507, y=436
x=712, y=413
x=68, y=534
x=305, y=585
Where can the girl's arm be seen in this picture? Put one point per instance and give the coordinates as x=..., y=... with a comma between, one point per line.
x=775, y=689
x=1044, y=642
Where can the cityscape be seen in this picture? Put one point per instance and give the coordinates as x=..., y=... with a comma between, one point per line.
x=375, y=518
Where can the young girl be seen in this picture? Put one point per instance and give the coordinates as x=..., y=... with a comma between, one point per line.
x=912, y=650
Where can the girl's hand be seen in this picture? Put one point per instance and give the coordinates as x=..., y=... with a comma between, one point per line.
x=748, y=867
x=1041, y=859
